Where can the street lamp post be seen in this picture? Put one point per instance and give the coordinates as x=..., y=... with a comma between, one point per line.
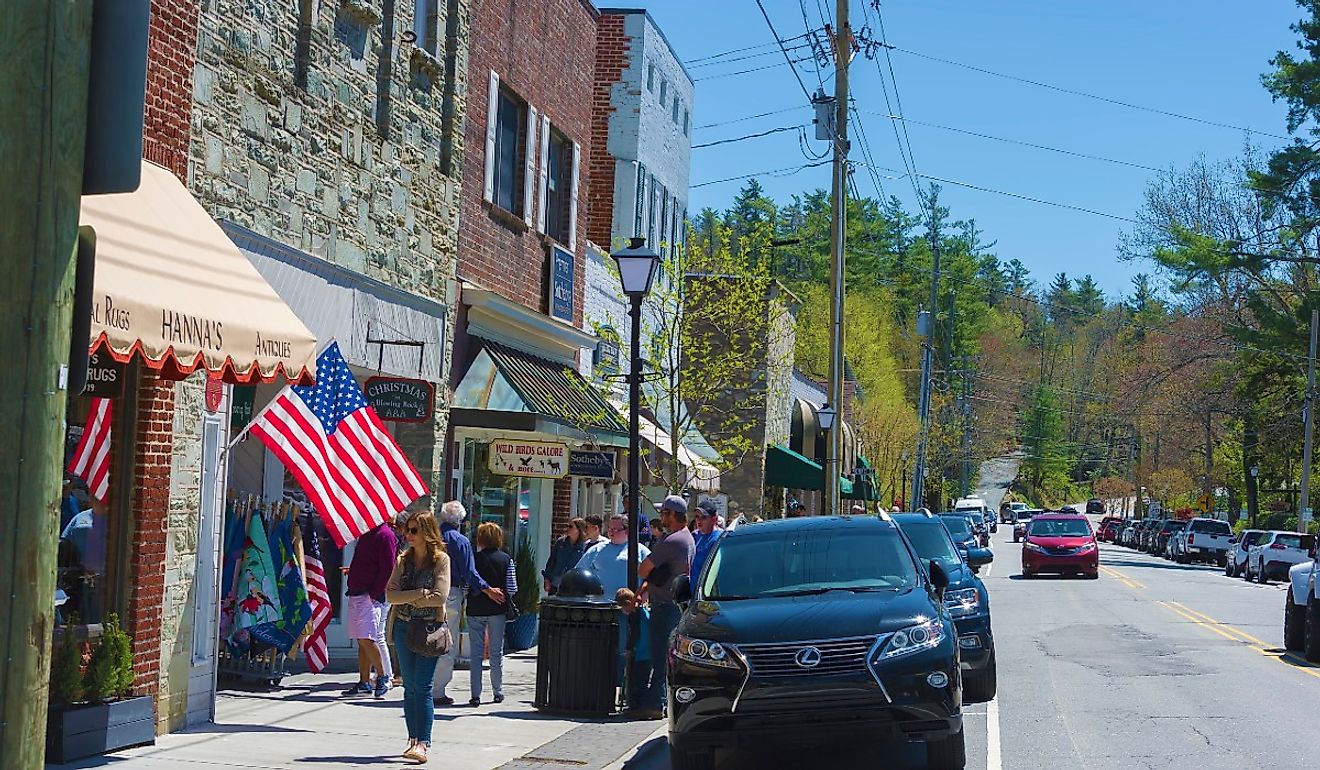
x=825, y=416
x=637, y=266
x=1252, y=503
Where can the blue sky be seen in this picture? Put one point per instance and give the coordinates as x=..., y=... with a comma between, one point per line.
x=1201, y=59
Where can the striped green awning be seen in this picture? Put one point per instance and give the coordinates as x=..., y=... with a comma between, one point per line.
x=791, y=470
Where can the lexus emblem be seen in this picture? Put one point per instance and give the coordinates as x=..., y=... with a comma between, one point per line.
x=808, y=657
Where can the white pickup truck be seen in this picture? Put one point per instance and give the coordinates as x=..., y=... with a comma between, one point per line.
x=1204, y=540
x=1301, y=612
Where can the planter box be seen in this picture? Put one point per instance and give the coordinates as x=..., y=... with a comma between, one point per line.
x=88, y=730
x=521, y=634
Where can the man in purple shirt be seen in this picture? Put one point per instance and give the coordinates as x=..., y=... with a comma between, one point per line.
x=373, y=561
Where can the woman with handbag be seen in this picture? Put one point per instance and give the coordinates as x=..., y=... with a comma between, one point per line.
x=487, y=617
x=418, y=588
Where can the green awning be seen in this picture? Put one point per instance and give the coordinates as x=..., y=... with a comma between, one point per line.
x=865, y=490
x=790, y=470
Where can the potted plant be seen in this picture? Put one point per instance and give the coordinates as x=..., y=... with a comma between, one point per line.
x=92, y=712
x=521, y=632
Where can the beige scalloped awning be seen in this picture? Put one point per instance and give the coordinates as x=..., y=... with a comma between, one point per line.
x=171, y=287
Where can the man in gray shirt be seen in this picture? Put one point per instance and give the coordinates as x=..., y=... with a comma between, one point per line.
x=670, y=557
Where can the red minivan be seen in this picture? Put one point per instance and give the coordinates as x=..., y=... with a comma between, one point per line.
x=1062, y=543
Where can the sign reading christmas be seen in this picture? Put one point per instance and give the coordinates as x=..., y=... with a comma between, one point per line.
x=529, y=459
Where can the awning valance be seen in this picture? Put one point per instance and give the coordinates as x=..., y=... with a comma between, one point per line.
x=790, y=470
x=171, y=287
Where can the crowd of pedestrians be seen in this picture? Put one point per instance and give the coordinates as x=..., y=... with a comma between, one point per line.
x=411, y=583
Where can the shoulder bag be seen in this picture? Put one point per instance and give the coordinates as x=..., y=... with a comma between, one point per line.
x=428, y=637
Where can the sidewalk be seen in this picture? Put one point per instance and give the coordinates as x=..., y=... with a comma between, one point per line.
x=306, y=724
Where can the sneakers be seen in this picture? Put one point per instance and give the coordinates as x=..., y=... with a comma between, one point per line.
x=442, y=700
x=499, y=698
x=474, y=702
x=643, y=714
x=361, y=688
x=382, y=687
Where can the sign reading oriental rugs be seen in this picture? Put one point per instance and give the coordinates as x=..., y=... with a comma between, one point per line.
x=529, y=459
x=398, y=399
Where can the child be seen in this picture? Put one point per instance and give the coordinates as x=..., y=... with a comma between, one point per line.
x=641, y=668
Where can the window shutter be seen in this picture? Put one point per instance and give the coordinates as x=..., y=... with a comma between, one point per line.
x=543, y=175
x=529, y=165
x=492, y=115
x=572, y=201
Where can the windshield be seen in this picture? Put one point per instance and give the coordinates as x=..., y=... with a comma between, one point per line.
x=1024, y=515
x=960, y=528
x=1212, y=527
x=1059, y=528
x=932, y=542
x=808, y=561
x=1294, y=541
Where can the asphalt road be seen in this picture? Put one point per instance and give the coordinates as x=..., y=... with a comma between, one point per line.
x=1155, y=665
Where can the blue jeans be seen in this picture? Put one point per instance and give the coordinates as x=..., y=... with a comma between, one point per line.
x=664, y=619
x=477, y=626
x=416, y=670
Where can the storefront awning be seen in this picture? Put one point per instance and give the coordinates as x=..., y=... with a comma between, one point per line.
x=502, y=379
x=171, y=287
x=790, y=470
x=701, y=475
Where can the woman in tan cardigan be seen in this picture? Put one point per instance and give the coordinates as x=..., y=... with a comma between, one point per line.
x=417, y=589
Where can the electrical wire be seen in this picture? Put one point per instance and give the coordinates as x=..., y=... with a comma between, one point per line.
x=745, y=118
x=748, y=57
x=758, y=46
x=777, y=172
x=909, y=160
x=787, y=58
x=730, y=140
x=1074, y=92
x=749, y=71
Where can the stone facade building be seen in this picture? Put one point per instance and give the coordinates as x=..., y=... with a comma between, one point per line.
x=327, y=138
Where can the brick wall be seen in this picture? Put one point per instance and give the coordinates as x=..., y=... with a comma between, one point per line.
x=612, y=58
x=171, y=51
x=150, y=480
x=563, y=506
x=546, y=53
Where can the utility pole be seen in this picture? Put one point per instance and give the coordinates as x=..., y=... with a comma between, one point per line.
x=1209, y=459
x=927, y=362
x=44, y=65
x=1304, y=513
x=834, y=441
x=967, y=427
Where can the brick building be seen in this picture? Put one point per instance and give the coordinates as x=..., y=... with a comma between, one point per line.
x=521, y=269
x=329, y=143
x=166, y=282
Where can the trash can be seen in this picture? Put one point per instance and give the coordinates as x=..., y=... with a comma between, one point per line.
x=577, y=654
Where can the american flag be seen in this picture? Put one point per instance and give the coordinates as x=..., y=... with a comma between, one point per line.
x=314, y=646
x=333, y=442
x=91, y=460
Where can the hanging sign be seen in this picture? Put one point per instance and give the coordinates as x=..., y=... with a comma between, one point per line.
x=593, y=465
x=105, y=377
x=399, y=399
x=561, y=283
x=215, y=394
x=529, y=459
x=240, y=406
x=606, y=356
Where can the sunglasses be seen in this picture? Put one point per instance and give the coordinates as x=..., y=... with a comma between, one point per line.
x=413, y=530
x=618, y=529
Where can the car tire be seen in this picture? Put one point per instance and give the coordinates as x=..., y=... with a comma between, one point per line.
x=686, y=759
x=1182, y=559
x=980, y=686
x=1223, y=560
x=1262, y=576
x=947, y=753
x=1228, y=568
x=1294, y=624
x=1311, y=646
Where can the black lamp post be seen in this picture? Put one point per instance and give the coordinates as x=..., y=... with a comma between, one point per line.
x=637, y=266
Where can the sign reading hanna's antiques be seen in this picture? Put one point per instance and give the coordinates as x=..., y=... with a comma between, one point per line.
x=530, y=459
x=399, y=399
x=105, y=377
x=595, y=465
x=561, y=283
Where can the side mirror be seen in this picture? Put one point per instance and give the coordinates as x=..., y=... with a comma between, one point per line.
x=682, y=590
x=938, y=577
x=979, y=557
x=1232, y=540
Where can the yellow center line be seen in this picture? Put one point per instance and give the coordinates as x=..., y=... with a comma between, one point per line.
x=1130, y=582
x=1231, y=629
x=1241, y=637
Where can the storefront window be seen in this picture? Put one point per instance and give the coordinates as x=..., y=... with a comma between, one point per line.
x=82, y=587
x=510, y=501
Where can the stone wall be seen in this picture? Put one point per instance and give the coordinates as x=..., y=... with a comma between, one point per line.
x=545, y=54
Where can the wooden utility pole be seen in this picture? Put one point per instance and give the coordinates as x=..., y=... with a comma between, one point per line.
x=834, y=441
x=44, y=53
x=1304, y=505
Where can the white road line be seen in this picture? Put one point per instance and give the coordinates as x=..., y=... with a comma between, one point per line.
x=993, y=760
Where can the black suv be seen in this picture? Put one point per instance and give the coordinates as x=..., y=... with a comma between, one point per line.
x=815, y=630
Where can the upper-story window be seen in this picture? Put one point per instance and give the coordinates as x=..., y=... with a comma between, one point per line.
x=687, y=123
x=639, y=218
x=664, y=90
x=510, y=152
x=426, y=24
x=650, y=78
x=559, y=187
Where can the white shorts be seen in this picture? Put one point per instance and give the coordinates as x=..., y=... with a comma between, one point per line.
x=365, y=617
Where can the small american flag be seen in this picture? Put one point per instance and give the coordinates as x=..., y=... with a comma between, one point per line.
x=314, y=646
x=333, y=442
x=91, y=460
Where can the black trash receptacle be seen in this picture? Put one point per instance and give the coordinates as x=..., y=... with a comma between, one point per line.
x=577, y=656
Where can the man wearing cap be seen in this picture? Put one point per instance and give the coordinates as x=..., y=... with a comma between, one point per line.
x=670, y=557
x=707, y=535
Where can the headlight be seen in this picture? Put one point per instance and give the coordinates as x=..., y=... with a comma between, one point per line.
x=1087, y=547
x=1030, y=546
x=703, y=653
x=964, y=601
x=916, y=638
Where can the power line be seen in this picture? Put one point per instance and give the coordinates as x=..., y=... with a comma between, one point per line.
x=1074, y=92
x=748, y=57
x=730, y=140
x=745, y=118
x=787, y=58
x=750, y=70
x=758, y=46
x=908, y=164
x=777, y=172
